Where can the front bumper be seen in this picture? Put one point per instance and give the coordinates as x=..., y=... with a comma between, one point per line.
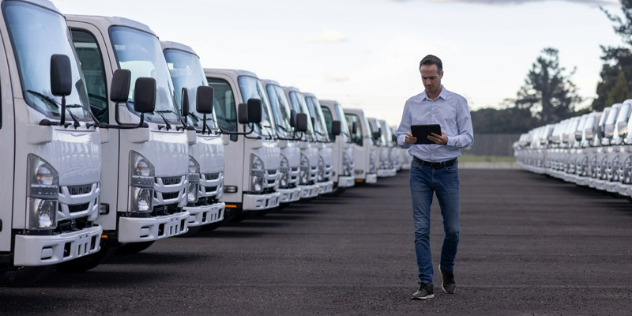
x=346, y=182
x=135, y=229
x=601, y=184
x=371, y=178
x=325, y=187
x=207, y=214
x=308, y=191
x=261, y=202
x=386, y=172
x=290, y=195
x=47, y=250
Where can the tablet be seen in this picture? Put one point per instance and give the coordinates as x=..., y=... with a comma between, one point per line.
x=421, y=132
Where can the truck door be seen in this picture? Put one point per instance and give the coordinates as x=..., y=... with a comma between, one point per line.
x=7, y=161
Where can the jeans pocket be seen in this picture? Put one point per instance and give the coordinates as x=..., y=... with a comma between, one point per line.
x=452, y=169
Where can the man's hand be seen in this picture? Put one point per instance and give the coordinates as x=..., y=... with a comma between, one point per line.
x=410, y=139
x=439, y=140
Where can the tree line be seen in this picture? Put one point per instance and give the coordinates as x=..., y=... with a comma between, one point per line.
x=548, y=94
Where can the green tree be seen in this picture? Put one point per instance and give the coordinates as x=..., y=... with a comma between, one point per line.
x=548, y=93
x=616, y=60
x=620, y=91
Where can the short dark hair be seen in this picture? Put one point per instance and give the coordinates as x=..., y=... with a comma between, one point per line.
x=432, y=60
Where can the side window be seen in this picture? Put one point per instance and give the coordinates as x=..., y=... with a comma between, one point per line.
x=91, y=64
x=357, y=137
x=328, y=121
x=224, y=104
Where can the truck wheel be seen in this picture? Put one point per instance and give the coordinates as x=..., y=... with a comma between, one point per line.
x=23, y=276
x=86, y=263
x=192, y=231
x=128, y=249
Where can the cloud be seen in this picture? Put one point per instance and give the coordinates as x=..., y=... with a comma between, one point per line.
x=509, y=2
x=329, y=36
x=337, y=77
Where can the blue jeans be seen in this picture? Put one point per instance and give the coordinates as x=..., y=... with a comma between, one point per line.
x=424, y=181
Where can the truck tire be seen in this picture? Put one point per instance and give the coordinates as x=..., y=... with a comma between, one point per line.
x=23, y=276
x=132, y=248
x=88, y=262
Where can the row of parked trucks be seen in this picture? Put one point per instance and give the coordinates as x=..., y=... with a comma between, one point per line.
x=116, y=139
x=593, y=150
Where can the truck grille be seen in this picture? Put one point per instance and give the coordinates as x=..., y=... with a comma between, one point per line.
x=78, y=207
x=211, y=176
x=169, y=196
x=171, y=180
x=80, y=189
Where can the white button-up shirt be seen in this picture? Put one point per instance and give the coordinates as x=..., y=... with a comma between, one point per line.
x=451, y=112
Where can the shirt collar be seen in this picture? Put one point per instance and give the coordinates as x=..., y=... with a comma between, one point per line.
x=442, y=95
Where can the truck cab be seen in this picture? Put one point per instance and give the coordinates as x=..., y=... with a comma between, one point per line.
x=145, y=162
x=343, y=147
x=385, y=165
x=584, y=152
x=616, y=151
x=285, y=121
x=574, y=148
x=365, y=152
x=252, y=153
x=206, y=148
x=391, y=142
x=597, y=147
x=51, y=174
x=308, y=178
x=325, y=144
x=605, y=151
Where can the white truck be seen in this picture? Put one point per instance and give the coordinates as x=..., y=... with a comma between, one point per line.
x=145, y=161
x=309, y=147
x=325, y=144
x=584, y=151
x=604, y=153
x=206, y=146
x=385, y=166
x=343, y=148
x=616, y=151
x=52, y=168
x=594, y=168
x=288, y=134
x=365, y=152
x=391, y=142
x=252, y=153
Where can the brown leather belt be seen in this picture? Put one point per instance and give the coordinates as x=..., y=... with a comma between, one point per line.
x=435, y=165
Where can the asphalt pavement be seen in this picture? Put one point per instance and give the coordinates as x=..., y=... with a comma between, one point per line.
x=530, y=245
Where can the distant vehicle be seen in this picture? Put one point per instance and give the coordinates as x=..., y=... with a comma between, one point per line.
x=365, y=152
x=343, y=148
x=325, y=144
x=385, y=166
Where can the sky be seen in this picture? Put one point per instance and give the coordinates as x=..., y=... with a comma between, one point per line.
x=365, y=53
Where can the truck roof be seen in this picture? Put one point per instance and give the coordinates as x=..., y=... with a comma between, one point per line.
x=230, y=72
x=178, y=46
x=104, y=22
x=44, y=3
x=269, y=81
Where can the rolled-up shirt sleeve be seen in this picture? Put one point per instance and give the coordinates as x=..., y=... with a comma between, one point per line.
x=404, y=127
x=465, y=137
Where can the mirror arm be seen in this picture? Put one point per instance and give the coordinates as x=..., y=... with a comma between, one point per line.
x=126, y=125
x=63, y=111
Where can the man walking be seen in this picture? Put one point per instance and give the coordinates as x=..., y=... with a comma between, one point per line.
x=435, y=170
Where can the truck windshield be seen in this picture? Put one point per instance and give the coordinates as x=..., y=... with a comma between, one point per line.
x=343, y=122
x=298, y=104
x=623, y=112
x=36, y=34
x=313, y=106
x=187, y=73
x=357, y=136
x=251, y=88
x=388, y=135
x=140, y=53
x=280, y=110
x=612, y=116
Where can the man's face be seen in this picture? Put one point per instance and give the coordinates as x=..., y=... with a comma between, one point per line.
x=431, y=78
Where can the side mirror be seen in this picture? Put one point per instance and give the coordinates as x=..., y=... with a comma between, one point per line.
x=394, y=138
x=185, y=103
x=623, y=129
x=336, y=128
x=60, y=75
x=250, y=112
x=292, y=118
x=145, y=95
x=204, y=99
x=119, y=89
x=354, y=128
x=376, y=135
x=578, y=136
x=313, y=121
x=301, y=122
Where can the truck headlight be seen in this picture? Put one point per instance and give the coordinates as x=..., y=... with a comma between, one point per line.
x=256, y=174
x=304, y=174
x=141, y=188
x=321, y=169
x=194, y=181
x=284, y=170
x=42, y=195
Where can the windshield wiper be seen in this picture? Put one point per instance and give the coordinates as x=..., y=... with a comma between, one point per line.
x=163, y=117
x=53, y=102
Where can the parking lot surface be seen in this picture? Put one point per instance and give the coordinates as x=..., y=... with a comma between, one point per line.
x=529, y=245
